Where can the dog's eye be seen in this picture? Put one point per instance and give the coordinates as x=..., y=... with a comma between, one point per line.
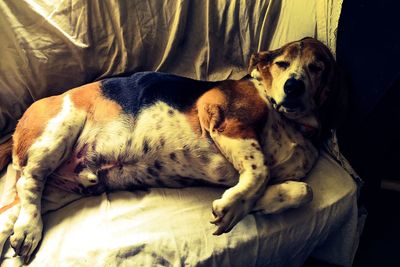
x=314, y=68
x=282, y=64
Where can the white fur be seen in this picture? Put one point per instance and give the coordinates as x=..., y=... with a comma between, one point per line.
x=164, y=130
x=280, y=197
x=289, y=155
x=260, y=89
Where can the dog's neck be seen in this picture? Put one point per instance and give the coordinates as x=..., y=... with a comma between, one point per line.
x=308, y=125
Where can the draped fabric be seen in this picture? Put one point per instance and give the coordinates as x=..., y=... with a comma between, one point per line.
x=49, y=46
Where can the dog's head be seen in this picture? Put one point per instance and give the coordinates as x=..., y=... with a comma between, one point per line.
x=297, y=77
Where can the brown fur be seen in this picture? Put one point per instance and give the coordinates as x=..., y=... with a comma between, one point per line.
x=88, y=97
x=210, y=108
x=35, y=118
x=226, y=109
x=8, y=206
x=16, y=198
x=251, y=117
x=32, y=124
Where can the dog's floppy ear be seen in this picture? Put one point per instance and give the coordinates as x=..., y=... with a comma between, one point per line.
x=329, y=77
x=256, y=58
x=260, y=60
x=332, y=96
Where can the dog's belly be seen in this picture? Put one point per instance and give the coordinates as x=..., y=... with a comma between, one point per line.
x=159, y=148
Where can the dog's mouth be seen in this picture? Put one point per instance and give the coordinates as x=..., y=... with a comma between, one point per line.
x=288, y=106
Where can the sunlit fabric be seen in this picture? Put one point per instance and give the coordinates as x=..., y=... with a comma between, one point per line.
x=47, y=47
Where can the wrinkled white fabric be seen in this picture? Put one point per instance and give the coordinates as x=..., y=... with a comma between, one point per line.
x=48, y=47
x=170, y=227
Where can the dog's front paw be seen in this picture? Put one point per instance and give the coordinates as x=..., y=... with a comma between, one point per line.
x=26, y=237
x=228, y=213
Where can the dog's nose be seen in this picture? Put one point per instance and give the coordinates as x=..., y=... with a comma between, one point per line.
x=294, y=87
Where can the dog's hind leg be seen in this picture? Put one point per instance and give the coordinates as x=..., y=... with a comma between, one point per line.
x=28, y=226
x=283, y=196
x=47, y=152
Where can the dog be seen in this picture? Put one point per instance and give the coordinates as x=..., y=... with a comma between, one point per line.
x=257, y=136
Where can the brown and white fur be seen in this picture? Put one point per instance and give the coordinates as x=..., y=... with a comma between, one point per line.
x=251, y=136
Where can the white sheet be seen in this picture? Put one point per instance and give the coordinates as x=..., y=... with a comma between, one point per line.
x=50, y=46
x=170, y=227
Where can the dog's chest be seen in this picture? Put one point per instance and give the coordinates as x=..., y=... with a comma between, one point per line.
x=288, y=153
x=157, y=148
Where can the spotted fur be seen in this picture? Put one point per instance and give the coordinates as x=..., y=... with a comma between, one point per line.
x=161, y=130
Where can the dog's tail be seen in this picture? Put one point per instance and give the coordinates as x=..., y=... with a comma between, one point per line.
x=5, y=153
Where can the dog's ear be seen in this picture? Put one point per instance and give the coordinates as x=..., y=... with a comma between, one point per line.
x=332, y=96
x=255, y=59
x=329, y=80
x=261, y=60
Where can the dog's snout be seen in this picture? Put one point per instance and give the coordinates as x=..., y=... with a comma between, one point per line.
x=294, y=87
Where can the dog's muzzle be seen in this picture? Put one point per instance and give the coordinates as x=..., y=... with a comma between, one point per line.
x=294, y=90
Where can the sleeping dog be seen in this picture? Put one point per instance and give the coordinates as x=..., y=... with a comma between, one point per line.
x=256, y=136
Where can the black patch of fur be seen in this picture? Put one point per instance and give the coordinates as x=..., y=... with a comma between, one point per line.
x=204, y=159
x=79, y=167
x=129, y=143
x=145, y=146
x=162, y=142
x=158, y=165
x=186, y=151
x=152, y=172
x=172, y=156
x=160, y=183
x=142, y=89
